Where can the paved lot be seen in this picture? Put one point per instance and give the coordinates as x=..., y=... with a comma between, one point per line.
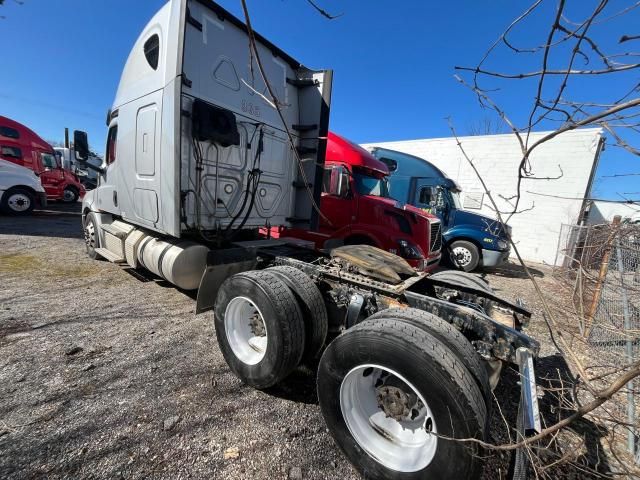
x=104, y=374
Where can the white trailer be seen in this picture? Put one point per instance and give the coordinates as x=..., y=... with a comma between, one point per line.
x=198, y=161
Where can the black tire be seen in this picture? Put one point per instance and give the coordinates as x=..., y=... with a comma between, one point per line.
x=70, y=194
x=449, y=336
x=469, y=280
x=91, y=235
x=316, y=322
x=449, y=390
x=282, y=318
x=472, y=255
x=18, y=202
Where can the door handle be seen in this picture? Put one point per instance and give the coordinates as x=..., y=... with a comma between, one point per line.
x=115, y=198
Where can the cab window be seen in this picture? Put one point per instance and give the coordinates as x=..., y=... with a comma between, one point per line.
x=112, y=140
x=48, y=160
x=335, y=181
x=11, y=152
x=152, y=50
x=427, y=195
x=9, y=132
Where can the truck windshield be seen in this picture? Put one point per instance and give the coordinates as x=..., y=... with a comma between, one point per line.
x=49, y=161
x=368, y=185
x=455, y=200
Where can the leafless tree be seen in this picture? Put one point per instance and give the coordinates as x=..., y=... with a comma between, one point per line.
x=566, y=44
x=571, y=52
x=487, y=125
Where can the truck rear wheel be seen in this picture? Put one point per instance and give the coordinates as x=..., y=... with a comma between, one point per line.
x=385, y=388
x=449, y=336
x=464, y=255
x=259, y=327
x=313, y=308
x=17, y=201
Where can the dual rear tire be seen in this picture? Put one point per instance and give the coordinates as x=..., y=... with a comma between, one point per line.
x=268, y=322
x=396, y=390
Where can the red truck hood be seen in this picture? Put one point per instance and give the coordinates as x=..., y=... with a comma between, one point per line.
x=421, y=212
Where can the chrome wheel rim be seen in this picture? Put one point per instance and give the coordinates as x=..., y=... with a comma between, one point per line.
x=246, y=330
x=68, y=195
x=19, y=202
x=90, y=235
x=462, y=256
x=388, y=418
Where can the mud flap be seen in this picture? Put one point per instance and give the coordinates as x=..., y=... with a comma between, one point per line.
x=221, y=265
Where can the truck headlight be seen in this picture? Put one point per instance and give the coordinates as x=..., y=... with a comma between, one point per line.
x=409, y=250
x=503, y=244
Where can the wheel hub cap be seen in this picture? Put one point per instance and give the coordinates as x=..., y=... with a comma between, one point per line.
x=246, y=330
x=19, y=202
x=388, y=418
x=462, y=256
x=90, y=235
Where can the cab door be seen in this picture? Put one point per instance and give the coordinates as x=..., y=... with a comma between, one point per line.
x=51, y=176
x=429, y=196
x=337, y=202
x=107, y=192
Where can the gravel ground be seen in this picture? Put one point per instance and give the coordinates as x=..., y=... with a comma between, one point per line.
x=107, y=374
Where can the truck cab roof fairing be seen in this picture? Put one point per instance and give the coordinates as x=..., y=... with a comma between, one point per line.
x=407, y=162
x=138, y=76
x=339, y=149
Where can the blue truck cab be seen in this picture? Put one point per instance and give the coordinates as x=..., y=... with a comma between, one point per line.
x=472, y=240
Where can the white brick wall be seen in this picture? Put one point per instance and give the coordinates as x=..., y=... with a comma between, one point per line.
x=497, y=158
x=603, y=212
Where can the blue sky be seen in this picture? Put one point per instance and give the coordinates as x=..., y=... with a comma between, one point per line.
x=393, y=64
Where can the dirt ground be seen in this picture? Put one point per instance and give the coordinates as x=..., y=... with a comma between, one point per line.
x=108, y=374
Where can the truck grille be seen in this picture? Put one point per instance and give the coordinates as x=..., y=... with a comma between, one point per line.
x=435, y=238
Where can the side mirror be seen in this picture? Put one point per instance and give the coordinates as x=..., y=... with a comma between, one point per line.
x=81, y=146
x=339, y=182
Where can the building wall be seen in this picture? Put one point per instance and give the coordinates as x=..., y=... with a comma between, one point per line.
x=571, y=155
x=603, y=212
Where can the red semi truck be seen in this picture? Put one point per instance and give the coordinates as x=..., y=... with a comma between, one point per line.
x=358, y=210
x=22, y=146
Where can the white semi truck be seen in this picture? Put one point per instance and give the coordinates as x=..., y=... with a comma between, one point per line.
x=20, y=189
x=199, y=162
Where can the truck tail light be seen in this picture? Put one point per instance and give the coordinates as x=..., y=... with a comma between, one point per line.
x=409, y=250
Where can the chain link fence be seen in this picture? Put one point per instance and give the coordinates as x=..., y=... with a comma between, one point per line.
x=601, y=265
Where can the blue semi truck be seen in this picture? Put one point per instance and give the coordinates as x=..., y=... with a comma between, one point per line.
x=472, y=240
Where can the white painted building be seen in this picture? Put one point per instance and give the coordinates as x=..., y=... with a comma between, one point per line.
x=572, y=156
x=602, y=211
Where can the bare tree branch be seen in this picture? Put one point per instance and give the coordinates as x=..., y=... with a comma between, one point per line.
x=323, y=12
